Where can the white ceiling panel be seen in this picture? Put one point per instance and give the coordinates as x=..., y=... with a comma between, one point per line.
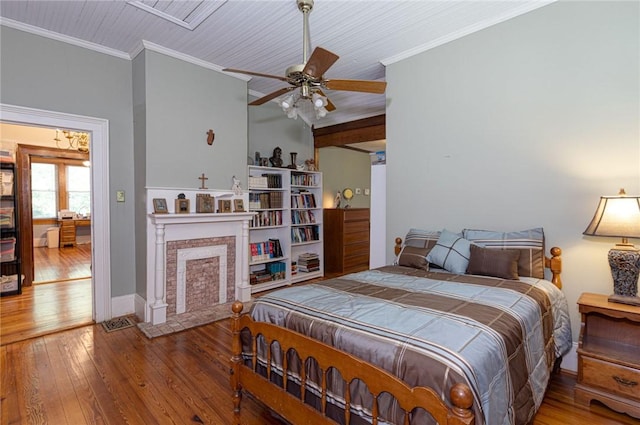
x=266, y=35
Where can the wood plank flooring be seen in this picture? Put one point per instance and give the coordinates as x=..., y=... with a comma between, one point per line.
x=88, y=376
x=60, y=300
x=60, y=264
x=45, y=308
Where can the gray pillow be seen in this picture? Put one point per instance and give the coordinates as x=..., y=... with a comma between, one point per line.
x=494, y=262
x=529, y=242
x=451, y=252
x=415, y=257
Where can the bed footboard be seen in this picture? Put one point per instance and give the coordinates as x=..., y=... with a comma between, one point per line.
x=294, y=410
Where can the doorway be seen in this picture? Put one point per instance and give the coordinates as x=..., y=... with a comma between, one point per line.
x=99, y=157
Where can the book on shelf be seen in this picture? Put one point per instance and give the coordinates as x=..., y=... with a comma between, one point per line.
x=262, y=251
x=303, y=200
x=273, y=180
x=270, y=272
x=303, y=179
x=305, y=234
x=308, y=262
x=302, y=217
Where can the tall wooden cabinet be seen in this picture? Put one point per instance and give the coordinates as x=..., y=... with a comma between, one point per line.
x=11, y=279
x=285, y=237
x=346, y=240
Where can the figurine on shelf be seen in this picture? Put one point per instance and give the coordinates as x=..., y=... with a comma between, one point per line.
x=310, y=164
x=276, y=159
x=236, y=187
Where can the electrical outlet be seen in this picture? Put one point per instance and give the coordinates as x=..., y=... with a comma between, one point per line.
x=366, y=192
x=119, y=195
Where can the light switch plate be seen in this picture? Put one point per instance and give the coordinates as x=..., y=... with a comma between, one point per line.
x=366, y=192
x=358, y=191
x=119, y=195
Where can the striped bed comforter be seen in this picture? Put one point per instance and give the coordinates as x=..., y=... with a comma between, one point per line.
x=500, y=337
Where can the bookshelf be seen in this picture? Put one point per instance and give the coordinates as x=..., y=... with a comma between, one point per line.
x=287, y=227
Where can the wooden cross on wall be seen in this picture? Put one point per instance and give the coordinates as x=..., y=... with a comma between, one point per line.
x=203, y=178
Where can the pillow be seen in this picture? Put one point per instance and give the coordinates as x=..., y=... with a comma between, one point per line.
x=421, y=238
x=450, y=252
x=494, y=262
x=529, y=242
x=415, y=257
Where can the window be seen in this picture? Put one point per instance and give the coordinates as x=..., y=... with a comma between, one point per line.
x=59, y=184
x=79, y=189
x=44, y=188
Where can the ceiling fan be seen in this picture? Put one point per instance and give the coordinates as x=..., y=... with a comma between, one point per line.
x=308, y=76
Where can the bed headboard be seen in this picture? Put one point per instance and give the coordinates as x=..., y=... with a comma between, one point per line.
x=552, y=262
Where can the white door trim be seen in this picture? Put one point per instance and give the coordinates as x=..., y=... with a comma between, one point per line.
x=99, y=156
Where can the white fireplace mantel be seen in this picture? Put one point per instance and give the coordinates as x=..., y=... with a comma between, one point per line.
x=162, y=228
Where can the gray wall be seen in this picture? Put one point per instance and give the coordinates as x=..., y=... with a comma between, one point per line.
x=523, y=124
x=184, y=101
x=41, y=73
x=175, y=104
x=269, y=127
x=342, y=168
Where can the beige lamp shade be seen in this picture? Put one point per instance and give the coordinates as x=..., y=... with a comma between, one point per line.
x=616, y=216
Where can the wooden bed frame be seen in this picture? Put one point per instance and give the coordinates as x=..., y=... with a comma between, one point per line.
x=296, y=411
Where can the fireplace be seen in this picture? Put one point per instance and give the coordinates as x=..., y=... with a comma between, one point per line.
x=195, y=261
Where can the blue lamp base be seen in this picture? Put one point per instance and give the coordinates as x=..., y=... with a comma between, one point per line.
x=625, y=269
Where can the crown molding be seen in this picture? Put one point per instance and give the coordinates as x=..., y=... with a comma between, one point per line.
x=64, y=38
x=148, y=45
x=525, y=8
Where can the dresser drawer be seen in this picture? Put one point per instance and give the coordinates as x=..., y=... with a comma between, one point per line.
x=356, y=214
x=356, y=237
x=351, y=250
x=613, y=378
x=356, y=263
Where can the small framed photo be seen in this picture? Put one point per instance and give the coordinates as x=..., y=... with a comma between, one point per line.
x=182, y=206
x=160, y=206
x=204, y=203
x=224, y=205
x=238, y=205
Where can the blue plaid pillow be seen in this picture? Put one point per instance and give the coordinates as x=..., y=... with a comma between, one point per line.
x=451, y=252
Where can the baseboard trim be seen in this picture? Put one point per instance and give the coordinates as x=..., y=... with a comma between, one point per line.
x=122, y=306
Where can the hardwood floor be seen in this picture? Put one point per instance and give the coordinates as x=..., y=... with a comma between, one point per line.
x=88, y=376
x=60, y=264
x=60, y=300
x=45, y=308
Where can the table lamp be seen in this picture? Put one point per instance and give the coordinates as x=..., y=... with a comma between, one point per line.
x=619, y=216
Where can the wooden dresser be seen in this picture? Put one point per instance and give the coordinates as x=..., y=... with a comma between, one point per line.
x=609, y=354
x=346, y=240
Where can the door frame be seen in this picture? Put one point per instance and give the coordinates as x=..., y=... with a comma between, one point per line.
x=99, y=157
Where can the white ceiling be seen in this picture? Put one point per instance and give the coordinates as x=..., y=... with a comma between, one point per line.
x=266, y=35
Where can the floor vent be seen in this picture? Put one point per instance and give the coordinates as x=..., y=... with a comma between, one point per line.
x=117, y=324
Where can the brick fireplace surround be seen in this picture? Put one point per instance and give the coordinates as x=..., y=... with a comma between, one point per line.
x=195, y=262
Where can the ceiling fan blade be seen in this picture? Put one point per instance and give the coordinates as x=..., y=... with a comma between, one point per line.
x=257, y=74
x=319, y=62
x=330, y=106
x=366, y=86
x=270, y=96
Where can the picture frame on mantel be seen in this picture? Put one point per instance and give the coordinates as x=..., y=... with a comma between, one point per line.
x=224, y=205
x=204, y=203
x=160, y=206
x=238, y=205
x=182, y=206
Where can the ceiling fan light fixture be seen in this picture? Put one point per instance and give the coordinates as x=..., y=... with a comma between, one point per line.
x=319, y=101
x=321, y=112
x=287, y=103
x=292, y=113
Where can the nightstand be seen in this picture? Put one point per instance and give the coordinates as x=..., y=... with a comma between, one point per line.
x=609, y=354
